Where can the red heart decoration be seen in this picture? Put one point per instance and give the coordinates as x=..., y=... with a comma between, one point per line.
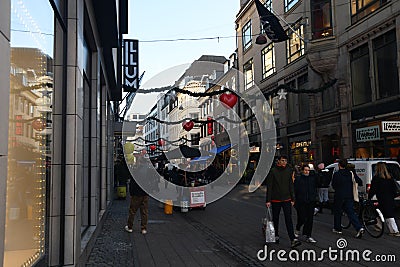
x=161, y=142
x=188, y=125
x=153, y=147
x=228, y=100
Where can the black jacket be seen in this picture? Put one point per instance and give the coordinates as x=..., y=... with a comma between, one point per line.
x=280, y=185
x=324, y=178
x=305, y=188
x=385, y=191
x=342, y=182
x=134, y=188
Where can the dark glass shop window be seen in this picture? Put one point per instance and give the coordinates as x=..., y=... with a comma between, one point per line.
x=360, y=80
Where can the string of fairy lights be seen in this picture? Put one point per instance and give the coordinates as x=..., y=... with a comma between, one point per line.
x=174, y=90
x=271, y=92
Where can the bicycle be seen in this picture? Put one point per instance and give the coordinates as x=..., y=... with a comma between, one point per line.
x=369, y=215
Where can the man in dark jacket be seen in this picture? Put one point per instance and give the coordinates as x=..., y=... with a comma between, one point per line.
x=139, y=198
x=342, y=183
x=305, y=192
x=280, y=195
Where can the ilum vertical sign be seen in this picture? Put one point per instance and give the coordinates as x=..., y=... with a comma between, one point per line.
x=131, y=65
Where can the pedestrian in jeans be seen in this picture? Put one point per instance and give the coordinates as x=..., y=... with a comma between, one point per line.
x=139, y=198
x=384, y=187
x=323, y=181
x=280, y=195
x=305, y=192
x=342, y=183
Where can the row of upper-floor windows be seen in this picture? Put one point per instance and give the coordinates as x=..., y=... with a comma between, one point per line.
x=321, y=18
x=373, y=71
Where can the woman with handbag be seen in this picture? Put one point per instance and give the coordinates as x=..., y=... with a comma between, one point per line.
x=384, y=187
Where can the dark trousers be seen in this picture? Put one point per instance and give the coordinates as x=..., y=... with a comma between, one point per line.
x=137, y=202
x=287, y=212
x=346, y=205
x=305, y=217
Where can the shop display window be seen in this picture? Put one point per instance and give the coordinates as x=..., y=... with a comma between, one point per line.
x=31, y=92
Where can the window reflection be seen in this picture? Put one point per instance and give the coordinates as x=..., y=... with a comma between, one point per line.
x=31, y=91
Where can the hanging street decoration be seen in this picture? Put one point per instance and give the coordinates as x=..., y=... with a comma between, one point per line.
x=282, y=94
x=270, y=24
x=161, y=142
x=38, y=124
x=272, y=92
x=188, y=125
x=153, y=147
x=228, y=99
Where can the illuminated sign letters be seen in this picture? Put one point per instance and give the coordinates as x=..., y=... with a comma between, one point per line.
x=131, y=65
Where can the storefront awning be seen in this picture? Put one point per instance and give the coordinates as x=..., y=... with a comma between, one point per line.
x=220, y=149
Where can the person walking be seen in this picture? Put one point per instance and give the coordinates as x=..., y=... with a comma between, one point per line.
x=305, y=193
x=384, y=187
x=323, y=181
x=280, y=195
x=342, y=183
x=139, y=198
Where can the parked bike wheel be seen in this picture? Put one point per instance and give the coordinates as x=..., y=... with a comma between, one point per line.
x=372, y=222
x=345, y=221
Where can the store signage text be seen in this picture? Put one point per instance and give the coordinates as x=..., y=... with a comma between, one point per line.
x=391, y=126
x=254, y=149
x=295, y=145
x=367, y=134
x=131, y=65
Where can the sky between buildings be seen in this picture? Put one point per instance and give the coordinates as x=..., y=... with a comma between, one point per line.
x=164, y=62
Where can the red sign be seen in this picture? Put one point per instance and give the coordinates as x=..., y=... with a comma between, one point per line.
x=210, y=126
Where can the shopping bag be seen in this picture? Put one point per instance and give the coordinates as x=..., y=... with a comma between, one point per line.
x=268, y=227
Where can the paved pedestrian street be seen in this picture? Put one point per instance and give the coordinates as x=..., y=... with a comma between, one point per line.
x=228, y=233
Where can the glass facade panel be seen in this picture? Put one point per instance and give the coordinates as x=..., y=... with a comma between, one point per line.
x=362, y=8
x=248, y=75
x=31, y=92
x=385, y=65
x=289, y=4
x=246, y=36
x=295, y=45
x=321, y=19
x=268, y=61
x=360, y=80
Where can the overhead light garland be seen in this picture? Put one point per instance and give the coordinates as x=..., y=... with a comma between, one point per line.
x=272, y=92
x=152, y=142
x=198, y=121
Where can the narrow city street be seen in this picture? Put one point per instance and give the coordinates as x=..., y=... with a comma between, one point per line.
x=227, y=233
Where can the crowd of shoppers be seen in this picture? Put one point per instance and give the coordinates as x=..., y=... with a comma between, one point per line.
x=307, y=191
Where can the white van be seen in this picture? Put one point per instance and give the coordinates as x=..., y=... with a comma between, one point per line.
x=365, y=169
